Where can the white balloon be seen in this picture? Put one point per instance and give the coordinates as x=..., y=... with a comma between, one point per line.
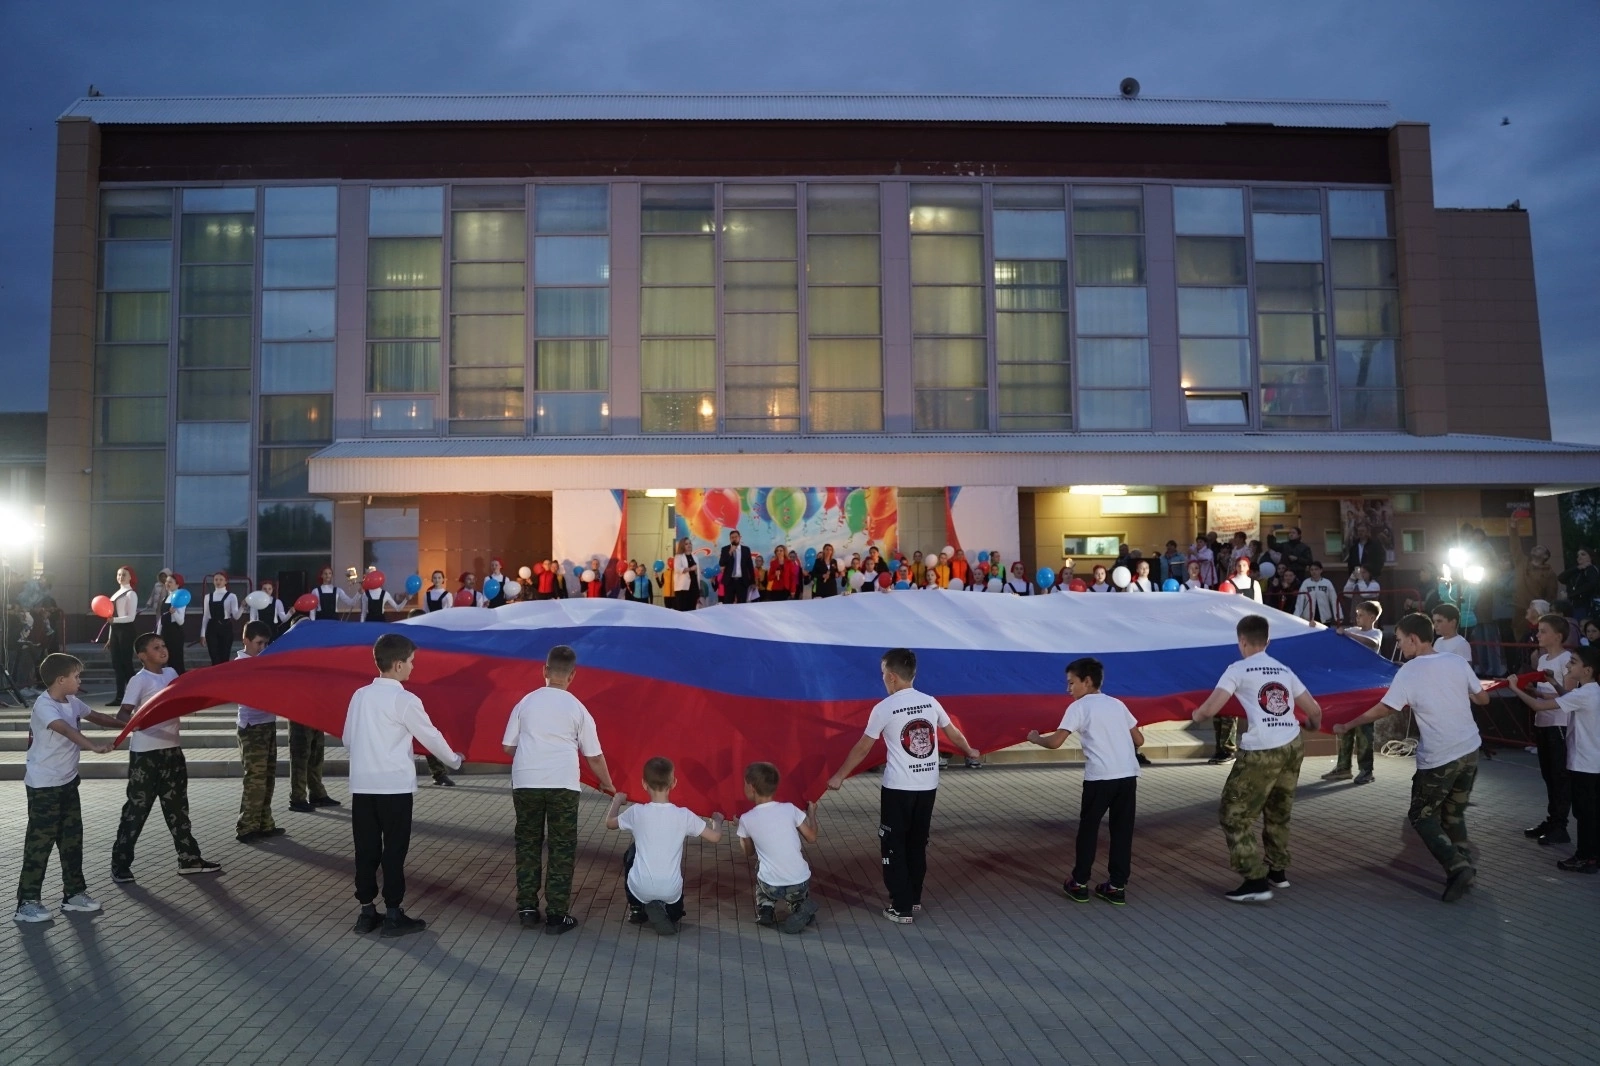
x=525, y=572
x=1267, y=569
x=588, y=575
x=511, y=589
x=996, y=585
x=862, y=580
x=949, y=550
x=956, y=584
x=628, y=577
x=260, y=599
x=1120, y=577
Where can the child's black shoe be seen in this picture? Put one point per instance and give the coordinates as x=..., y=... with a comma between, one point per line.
x=398, y=923
x=369, y=919
x=529, y=918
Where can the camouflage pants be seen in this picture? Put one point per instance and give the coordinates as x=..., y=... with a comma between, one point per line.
x=1439, y=809
x=305, y=763
x=156, y=775
x=55, y=820
x=769, y=896
x=1261, y=784
x=258, y=752
x=1227, y=733
x=435, y=767
x=535, y=807
x=1356, y=743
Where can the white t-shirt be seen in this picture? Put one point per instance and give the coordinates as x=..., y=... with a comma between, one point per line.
x=1370, y=634
x=1582, y=706
x=1437, y=688
x=1266, y=689
x=909, y=723
x=1456, y=645
x=141, y=687
x=550, y=728
x=1557, y=666
x=1102, y=725
x=774, y=828
x=52, y=758
x=249, y=716
x=659, y=830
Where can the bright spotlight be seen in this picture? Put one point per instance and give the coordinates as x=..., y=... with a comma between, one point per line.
x=16, y=531
x=1474, y=574
x=1458, y=557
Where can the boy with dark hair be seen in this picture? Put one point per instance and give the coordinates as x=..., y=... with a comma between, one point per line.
x=156, y=770
x=1357, y=744
x=382, y=723
x=1264, y=776
x=1109, y=734
x=1550, y=730
x=1581, y=701
x=909, y=723
x=652, y=867
x=775, y=833
x=1440, y=689
x=258, y=752
x=1447, y=636
x=55, y=815
x=548, y=730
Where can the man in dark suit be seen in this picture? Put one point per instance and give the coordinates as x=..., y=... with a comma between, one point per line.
x=737, y=569
x=1365, y=552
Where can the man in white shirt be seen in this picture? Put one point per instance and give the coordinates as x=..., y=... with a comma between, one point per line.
x=1318, y=600
x=548, y=730
x=909, y=723
x=1267, y=770
x=1440, y=689
x=156, y=770
x=258, y=752
x=380, y=726
x=1110, y=736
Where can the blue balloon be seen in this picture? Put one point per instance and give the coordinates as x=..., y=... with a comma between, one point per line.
x=902, y=584
x=811, y=558
x=181, y=598
x=1046, y=577
x=660, y=565
x=491, y=587
x=710, y=572
x=894, y=566
x=1171, y=585
x=983, y=557
x=413, y=584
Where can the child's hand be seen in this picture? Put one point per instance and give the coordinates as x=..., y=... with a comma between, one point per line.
x=1341, y=729
x=811, y=809
x=102, y=749
x=619, y=797
x=835, y=783
x=717, y=821
x=1033, y=736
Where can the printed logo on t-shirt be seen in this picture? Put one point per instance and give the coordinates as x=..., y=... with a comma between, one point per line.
x=917, y=738
x=1274, y=699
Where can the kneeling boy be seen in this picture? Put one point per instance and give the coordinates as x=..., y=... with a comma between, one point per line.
x=774, y=831
x=653, y=865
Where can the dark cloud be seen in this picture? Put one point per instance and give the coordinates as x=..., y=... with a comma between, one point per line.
x=1460, y=65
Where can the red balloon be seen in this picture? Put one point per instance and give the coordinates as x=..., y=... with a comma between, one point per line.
x=1078, y=585
x=1226, y=586
x=373, y=580
x=102, y=606
x=465, y=598
x=723, y=507
x=307, y=603
x=885, y=579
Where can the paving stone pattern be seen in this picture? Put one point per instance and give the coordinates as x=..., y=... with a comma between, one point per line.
x=1358, y=962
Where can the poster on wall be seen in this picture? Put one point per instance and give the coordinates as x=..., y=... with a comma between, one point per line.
x=1227, y=515
x=1375, y=515
x=850, y=518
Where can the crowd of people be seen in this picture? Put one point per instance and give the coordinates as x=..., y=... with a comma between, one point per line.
x=550, y=733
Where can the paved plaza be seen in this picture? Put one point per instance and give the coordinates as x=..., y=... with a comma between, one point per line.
x=1357, y=962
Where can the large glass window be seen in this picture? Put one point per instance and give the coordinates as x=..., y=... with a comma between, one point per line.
x=1113, y=324
x=488, y=323
x=1031, y=293
x=404, y=306
x=760, y=309
x=949, y=327
x=1213, y=306
x=1291, y=309
x=572, y=309
x=844, y=318
x=677, y=309
x=1366, y=309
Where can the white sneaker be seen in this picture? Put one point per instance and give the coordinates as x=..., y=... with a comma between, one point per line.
x=81, y=902
x=31, y=911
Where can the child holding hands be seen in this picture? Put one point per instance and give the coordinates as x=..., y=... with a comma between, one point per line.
x=653, y=864
x=773, y=832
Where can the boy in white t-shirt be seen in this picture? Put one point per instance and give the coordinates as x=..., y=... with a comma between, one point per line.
x=1357, y=744
x=1447, y=632
x=776, y=833
x=1581, y=702
x=1440, y=689
x=652, y=867
x=909, y=723
x=548, y=730
x=156, y=770
x=1550, y=731
x=1263, y=779
x=55, y=815
x=1110, y=736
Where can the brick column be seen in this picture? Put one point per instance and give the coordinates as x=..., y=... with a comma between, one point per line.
x=1422, y=362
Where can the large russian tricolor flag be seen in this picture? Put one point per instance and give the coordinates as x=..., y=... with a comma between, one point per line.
x=788, y=683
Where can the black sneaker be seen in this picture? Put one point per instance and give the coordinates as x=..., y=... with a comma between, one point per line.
x=656, y=912
x=1113, y=895
x=1363, y=778
x=1458, y=884
x=244, y=838
x=203, y=866
x=122, y=875
x=897, y=917
x=1144, y=760
x=1075, y=891
x=301, y=805
x=369, y=919
x=325, y=801
x=1278, y=878
x=444, y=781
x=1579, y=866
x=398, y=923
x=1534, y=832
x=637, y=916
x=800, y=917
x=275, y=831
x=766, y=917
x=557, y=924
x=1219, y=758
x=528, y=918
x=1254, y=890
x=1555, y=836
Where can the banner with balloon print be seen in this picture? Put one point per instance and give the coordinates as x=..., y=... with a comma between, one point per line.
x=802, y=519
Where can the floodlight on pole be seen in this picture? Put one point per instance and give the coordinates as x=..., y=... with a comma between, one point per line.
x=1457, y=557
